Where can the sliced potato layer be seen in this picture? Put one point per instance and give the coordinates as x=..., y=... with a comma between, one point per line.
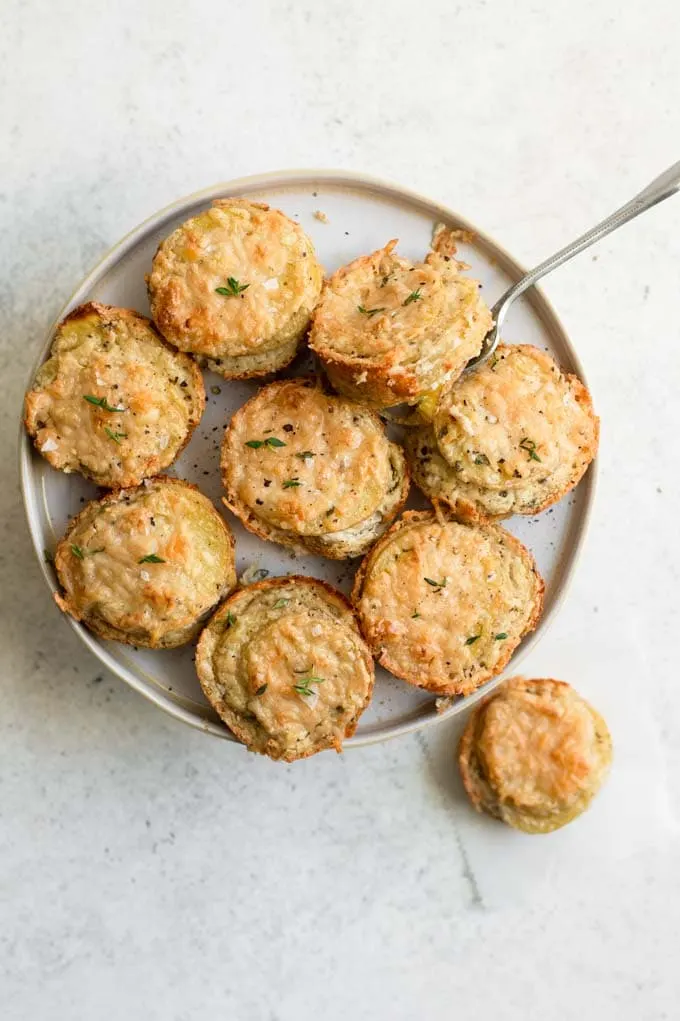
x=443, y=604
x=389, y=330
x=534, y=754
x=285, y=666
x=513, y=436
x=113, y=401
x=145, y=565
x=235, y=285
x=306, y=468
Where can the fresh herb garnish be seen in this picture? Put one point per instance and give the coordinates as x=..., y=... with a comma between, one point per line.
x=304, y=455
x=413, y=296
x=116, y=437
x=229, y=620
x=81, y=553
x=49, y=556
x=291, y=483
x=499, y=637
x=151, y=558
x=233, y=288
x=261, y=690
x=100, y=402
x=436, y=584
x=280, y=603
x=472, y=639
x=271, y=441
x=215, y=390
x=481, y=459
x=369, y=311
x=530, y=447
x=303, y=686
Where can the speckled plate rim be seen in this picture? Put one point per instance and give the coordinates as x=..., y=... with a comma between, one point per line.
x=338, y=178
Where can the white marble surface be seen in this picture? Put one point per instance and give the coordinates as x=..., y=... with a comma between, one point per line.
x=147, y=872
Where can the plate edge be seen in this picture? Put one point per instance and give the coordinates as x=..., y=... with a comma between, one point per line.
x=253, y=182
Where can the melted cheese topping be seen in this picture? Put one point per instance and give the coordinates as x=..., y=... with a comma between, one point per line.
x=511, y=437
x=331, y=470
x=270, y=261
x=285, y=666
x=444, y=605
x=418, y=323
x=538, y=752
x=515, y=421
x=534, y=754
x=111, y=584
x=116, y=357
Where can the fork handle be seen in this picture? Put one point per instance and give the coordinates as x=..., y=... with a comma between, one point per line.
x=662, y=187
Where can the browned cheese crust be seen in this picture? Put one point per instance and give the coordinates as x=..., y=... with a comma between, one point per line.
x=146, y=565
x=235, y=286
x=443, y=604
x=113, y=401
x=511, y=437
x=305, y=468
x=534, y=754
x=389, y=330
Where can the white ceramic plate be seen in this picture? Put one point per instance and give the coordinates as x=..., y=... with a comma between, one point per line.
x=363, y=214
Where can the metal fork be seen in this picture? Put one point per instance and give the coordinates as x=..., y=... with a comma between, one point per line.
x=662, y=187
